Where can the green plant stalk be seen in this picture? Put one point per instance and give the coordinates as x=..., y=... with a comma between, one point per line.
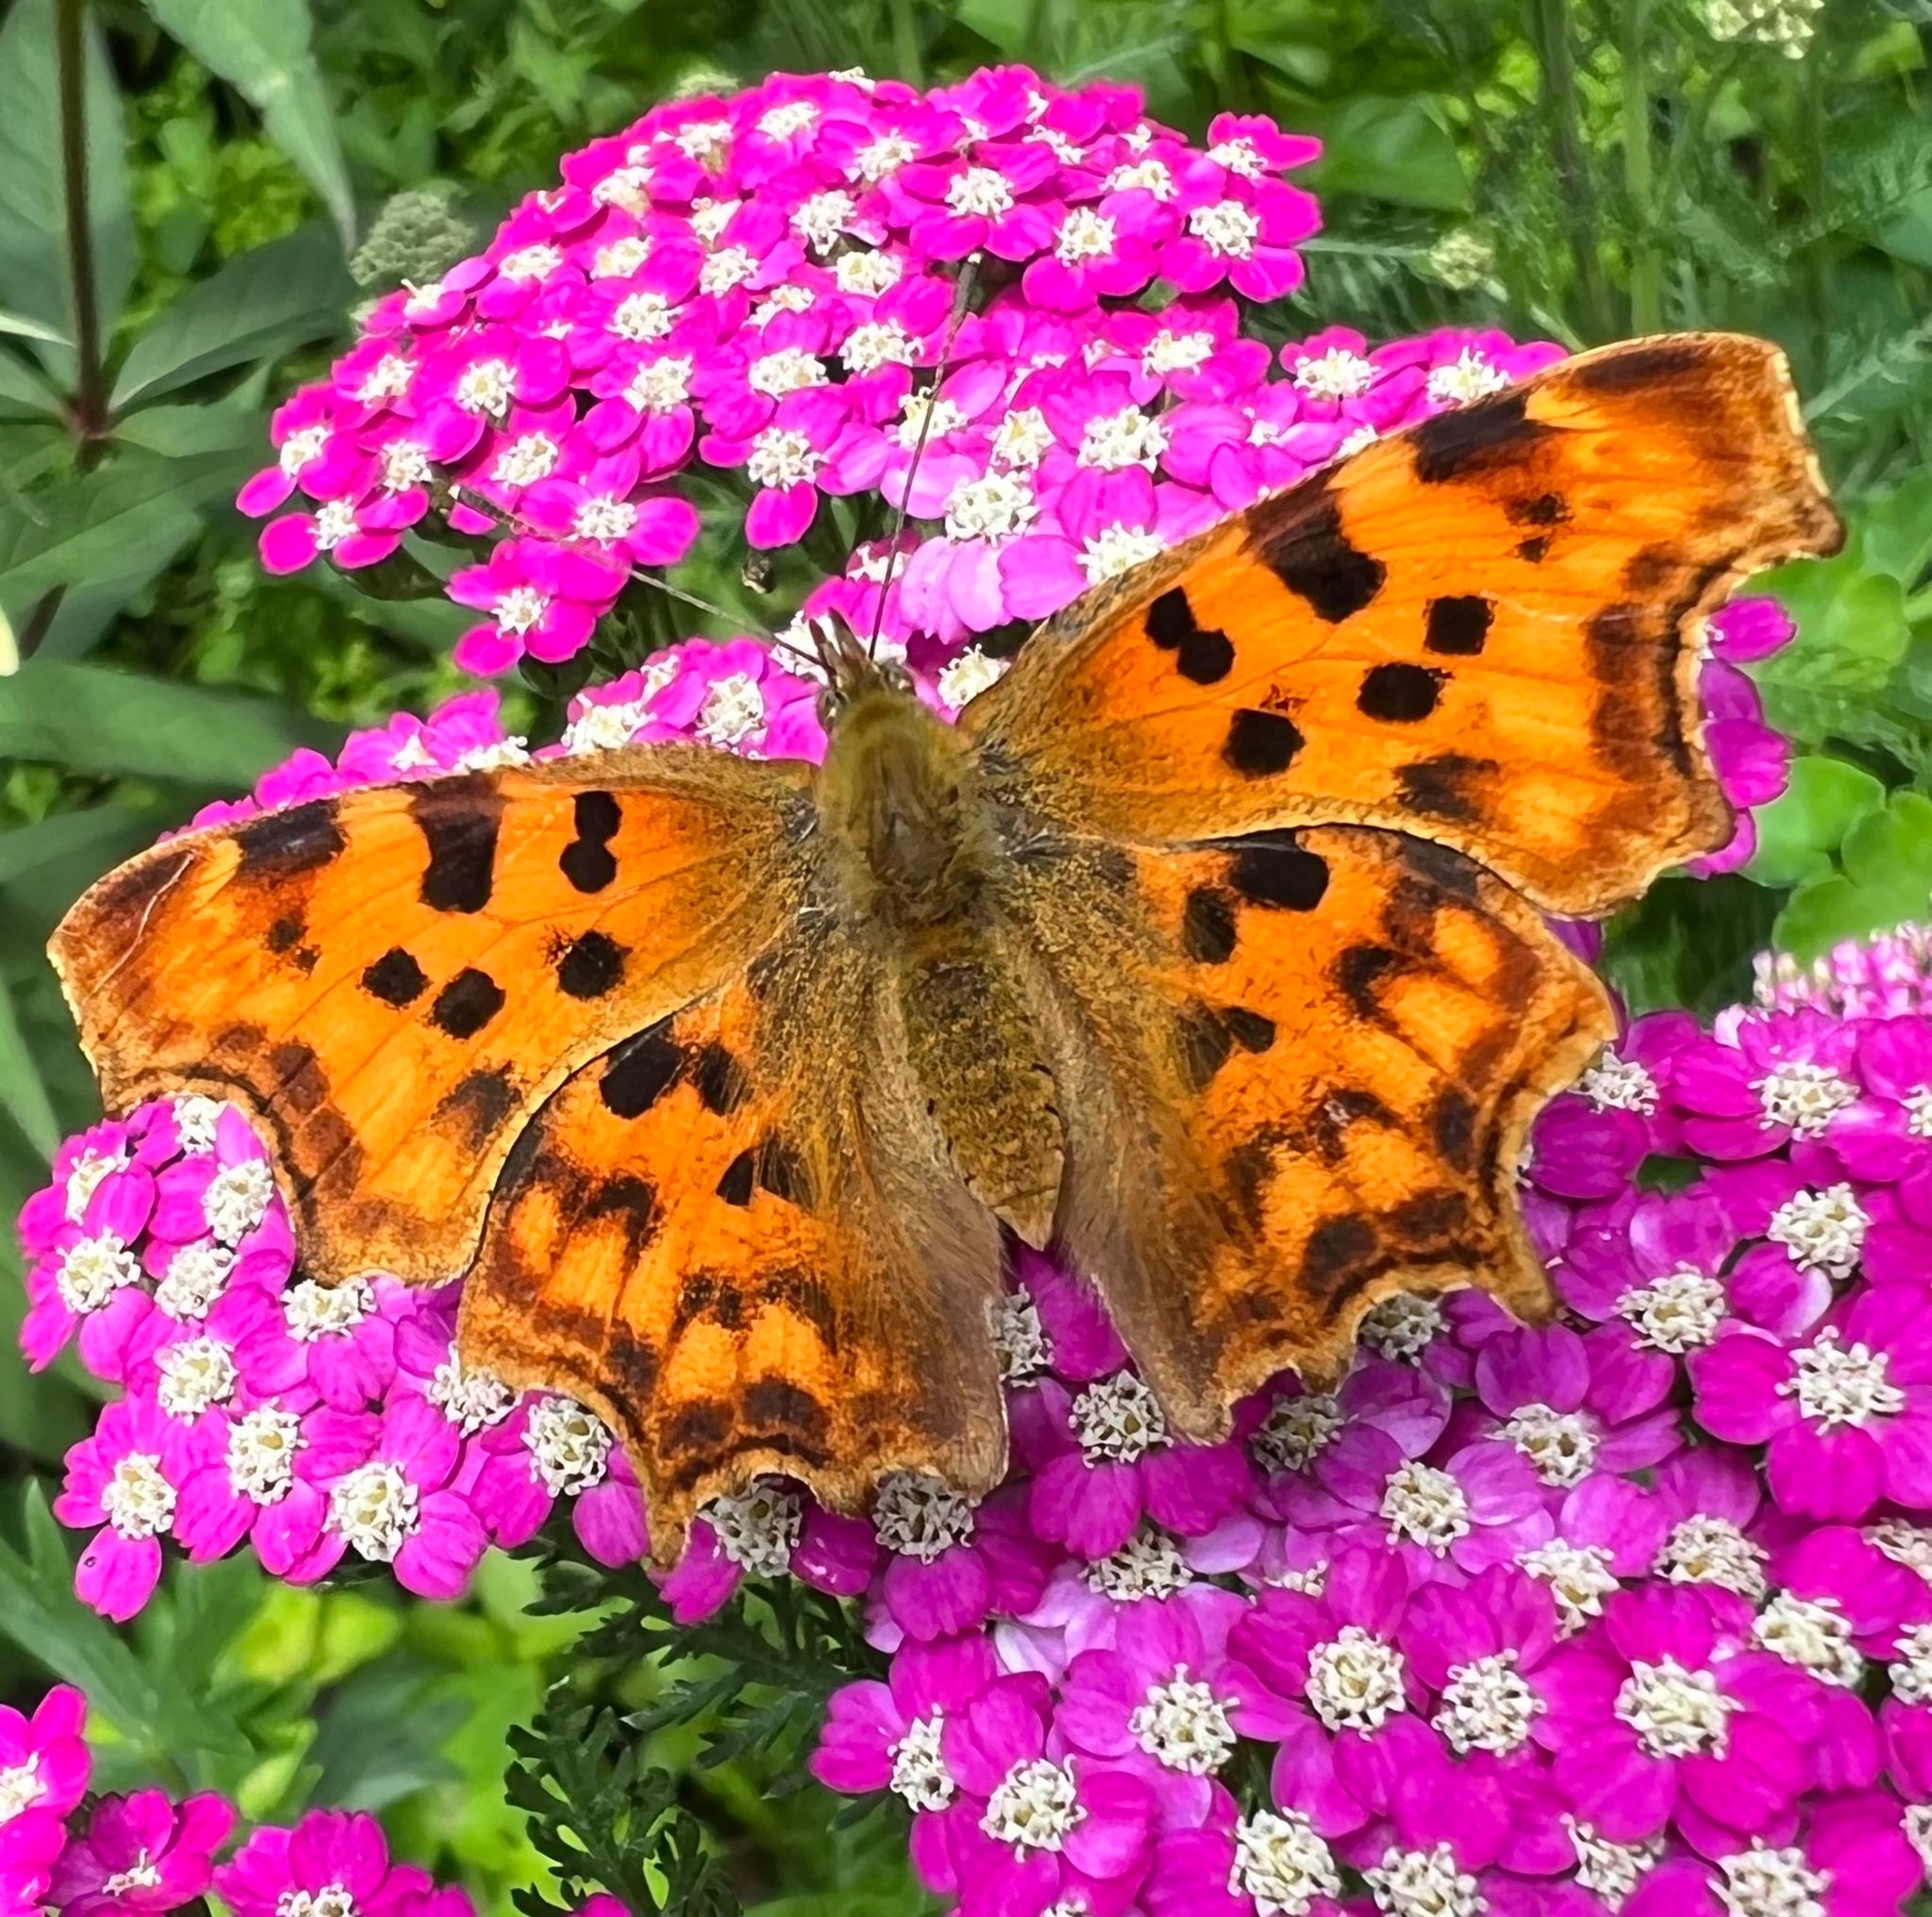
x=1646, y=264
x=90, y=402
x=905, y=55
x=1558, y=62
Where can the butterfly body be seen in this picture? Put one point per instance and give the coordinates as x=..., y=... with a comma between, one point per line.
x=1209, y=944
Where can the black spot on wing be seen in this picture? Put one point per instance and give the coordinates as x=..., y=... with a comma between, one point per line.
x=1478, y=438
x=1252, y=1031
x=396, y=978
x=1398, y=693
x=285, y=933
x=1208, y=928
x=1441, y=868
x=1446, y=786
x=1457, y=624
x=587, y=861
x=735, y=1183
x=720, y=1078
x=782, y=1172
x=590, y=965
x=1544, y=509
x=1303, y=545
x=1451, y=1127
x=466, y=1004
x=639, y=1072
x=632, y=1201
x=1205, y=1045
x=280, y=844
x=479, y=1102
x=1638, y=367
x=777, y=1407
x=1260, y=744
x=1358, y=971
x=302, y=1085
x=1334, y=1250
x=459, y=819
x=1275, y=871
x=1202, y=654
x=1534, y=550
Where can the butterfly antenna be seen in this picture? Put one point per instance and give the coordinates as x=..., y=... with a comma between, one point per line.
x=963, y=293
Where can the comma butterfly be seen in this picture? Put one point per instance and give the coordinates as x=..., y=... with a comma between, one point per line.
x=1209, y=942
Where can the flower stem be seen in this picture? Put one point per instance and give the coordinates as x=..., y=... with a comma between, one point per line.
x=1559, y=61
x=906, y=43
x=90, y=402
x=1647, y=267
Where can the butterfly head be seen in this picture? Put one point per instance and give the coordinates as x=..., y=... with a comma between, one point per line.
x=852, y=674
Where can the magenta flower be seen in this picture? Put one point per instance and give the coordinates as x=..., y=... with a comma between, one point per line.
x=44, y=1765
x=543, y=599
x=949, y=1563
x=769, y=1531
x=1235, y=1866
x=142, y=1853
x=331, y=1857
x=552, y=1447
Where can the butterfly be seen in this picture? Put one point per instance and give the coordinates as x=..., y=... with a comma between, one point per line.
x=1208, y=944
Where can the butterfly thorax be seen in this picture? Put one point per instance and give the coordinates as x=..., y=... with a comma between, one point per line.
x=910, y=839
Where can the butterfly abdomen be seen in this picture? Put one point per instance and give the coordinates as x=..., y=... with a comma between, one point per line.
x=910, y=837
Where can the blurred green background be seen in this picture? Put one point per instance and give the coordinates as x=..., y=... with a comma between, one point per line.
x=254, y=169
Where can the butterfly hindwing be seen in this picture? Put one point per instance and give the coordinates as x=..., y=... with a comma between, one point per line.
x=739, y=1236
x=1482, y=630
x=390, y=980
x=1312, y=1092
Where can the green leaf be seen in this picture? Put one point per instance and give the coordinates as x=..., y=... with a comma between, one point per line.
x=1886, y=881
x=258, y=305
x=1801, y=829
x=260, y=47
x=95, y=720
x=23, y=1096
x=30, y=329
x=1689, y=942
x=1390, y=149
x=33, y=206
x=22, y=386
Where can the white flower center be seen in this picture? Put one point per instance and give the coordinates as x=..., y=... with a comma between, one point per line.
x=1033, y=1808
x=20, y=1787
x=1918, y=1108
x=710, y=218
x=662, y=385
x=980, y=191
x=919, y=1771
x=1181, y=1724
x=1813, y=1634
x=641, y=316
x=237, y=1198
x=1297, y=1430
x=1614, y=1084
x=790, y=369
x=375, y=1508
x=332, y=1900
x=704, y=141
x=1019, y=1336
x=867, y=272
x=1677, y=1312
x=730, y=266
x=1903, y=1543
x=569, y=1446
x=1579, y=1578
x=1401, y=1327
x=1559, y=1444
x=486, y=387
x=879, y=342
x=733, y=709
x=1488, y=1706
x=1918, y=1828
x=1282, y=1864
x=1823, y=1231
x=794, y=116
x=520, y=609
x=1021, y=439
x=1116, y=549
x=531, y=262
x=887, y=153
x=302, y=446
x=621, y=257
x=1676, y=1712
x=1423, y=1883
x=1841, y=1384
x=1764, y=1882
x=1425, y=1505
x=915, y=409
x=405, y=464
x=142, y=1874
x=1084, y=234
x=1468, y=376
x=782, y=456
x=1607, y=1869
x=1149, y=1564
x=472, y=1397
x=819, y=219
x=139, y=1501
x=759, y=1529
x=917, y=1516
x=1226, y=228
x=1803, y=1096
x=1237, y=156
x=1113, y=441
x=1144, y=175
x=1911, y=1676
x=313, y=1310
x=962, y=680
x=993, y=507
x=263, y=1444
x=196, y=1118
x=1355, y=1681
x=92, y=1270
x=195, y=1374
x=335, y=521
x=1337, y=374
x=604, y=518
x=1168, y=353
x=1706, y=1550
x=526, y=460
x=1118, y=1419
x=389, y=379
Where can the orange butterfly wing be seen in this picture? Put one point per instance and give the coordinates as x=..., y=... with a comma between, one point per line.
x=391, y=980
x=1482, y=630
